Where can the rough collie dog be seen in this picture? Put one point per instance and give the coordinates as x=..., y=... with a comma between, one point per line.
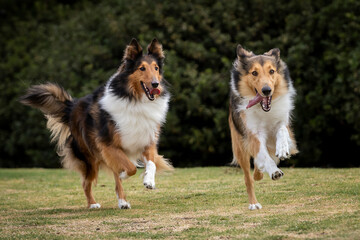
x=115, y=126
x=261, y=101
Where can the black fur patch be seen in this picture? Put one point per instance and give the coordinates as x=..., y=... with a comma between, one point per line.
x=119, y=85
x=287, y=75
x=76, y=150
x=235, y=77
x=235, y=116
x=103, y=127
x=67, y=111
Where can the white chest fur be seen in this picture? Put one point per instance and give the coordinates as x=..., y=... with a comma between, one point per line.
x=267, y=123
x=137, y=121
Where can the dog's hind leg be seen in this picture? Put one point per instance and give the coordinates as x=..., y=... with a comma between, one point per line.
x=87, y=185
x=89, y=175
x=244, y=162
x=243, y=159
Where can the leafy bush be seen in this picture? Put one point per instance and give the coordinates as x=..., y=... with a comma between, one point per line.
x=80, y=45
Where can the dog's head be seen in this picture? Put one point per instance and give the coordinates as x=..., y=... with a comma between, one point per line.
x=140, y=74
x=260, y=77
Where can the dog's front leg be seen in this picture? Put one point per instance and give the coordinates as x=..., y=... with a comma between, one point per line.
x=150, y=167
x=283, y=143
x=265, y=163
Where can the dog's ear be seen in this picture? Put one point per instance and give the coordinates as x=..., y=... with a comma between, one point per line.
x=275, y=52
x=155, y=49
x=243, y=54
x=133, y=50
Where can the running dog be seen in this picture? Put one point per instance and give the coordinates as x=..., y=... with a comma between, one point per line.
x=115, y=126
x=261, y=101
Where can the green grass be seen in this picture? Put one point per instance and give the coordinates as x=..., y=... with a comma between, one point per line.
x=195, y=203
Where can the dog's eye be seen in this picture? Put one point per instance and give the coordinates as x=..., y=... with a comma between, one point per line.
x=156, y=68
x=271, y=71
x=255, y=73
x=142, y=68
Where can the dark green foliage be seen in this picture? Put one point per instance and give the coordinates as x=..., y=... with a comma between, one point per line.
x=80, y=45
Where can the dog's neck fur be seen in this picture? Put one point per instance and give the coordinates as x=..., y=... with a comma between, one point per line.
x=137, y=121
x=258, y=121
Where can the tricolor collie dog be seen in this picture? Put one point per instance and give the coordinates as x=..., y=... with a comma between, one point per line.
x=261, y=101
x=115, y=126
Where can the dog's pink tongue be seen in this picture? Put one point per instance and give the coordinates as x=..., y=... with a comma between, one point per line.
x=254, y=101
x=155, y=91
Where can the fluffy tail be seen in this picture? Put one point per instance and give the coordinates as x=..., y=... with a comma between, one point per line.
x=162, y=164
x=50, y=98
x=55, y=103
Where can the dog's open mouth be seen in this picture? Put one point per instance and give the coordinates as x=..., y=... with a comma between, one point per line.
x=149, y=93
x=265, y=102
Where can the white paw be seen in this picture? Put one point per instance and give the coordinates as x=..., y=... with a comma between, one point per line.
x=123, y=175
x=255, y=206
x=124, y=204
x=95, y=205
x=283, y=143
x=277, y=174
x=149, y=181
x=149, y=177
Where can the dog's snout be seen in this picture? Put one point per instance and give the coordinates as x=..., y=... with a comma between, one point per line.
x=154, y=84
x=266, y=90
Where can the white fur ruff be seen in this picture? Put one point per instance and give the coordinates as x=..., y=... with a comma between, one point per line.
x=137, y=121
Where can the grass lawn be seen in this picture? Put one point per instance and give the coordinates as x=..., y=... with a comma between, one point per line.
x=193, y=203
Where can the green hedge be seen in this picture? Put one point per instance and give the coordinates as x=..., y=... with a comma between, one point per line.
x=80, y=45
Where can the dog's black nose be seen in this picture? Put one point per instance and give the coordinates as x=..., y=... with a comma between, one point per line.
x=154, y=84
x=266, y=90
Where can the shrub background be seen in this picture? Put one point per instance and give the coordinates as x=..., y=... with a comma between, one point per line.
x=79, y=45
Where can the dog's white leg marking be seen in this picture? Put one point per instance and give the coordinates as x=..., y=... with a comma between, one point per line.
x=123, y=175
x=255, y=206
x=265, y=163
x=283, y=143
x=150, y=170
x=123, y=204
x=95, y=205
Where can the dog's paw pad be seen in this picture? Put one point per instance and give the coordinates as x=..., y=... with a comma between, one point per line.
x=277, y=175
x=255, y=206
x=124, y=204
x=95, y=205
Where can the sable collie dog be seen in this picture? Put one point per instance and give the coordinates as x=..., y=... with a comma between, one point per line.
x=261, y=101
x=115, y=126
